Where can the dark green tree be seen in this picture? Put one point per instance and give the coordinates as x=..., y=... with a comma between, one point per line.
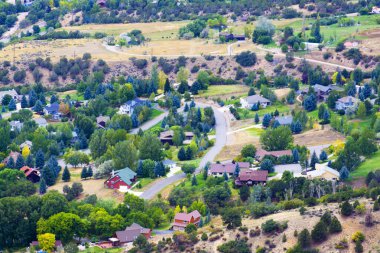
x=335, y=226
x=346, y=209
x=304, y=238
x=40, y=159
x=42, y=188
x=232, y=218
x=66, y=175
x=244, y=192
x=20, y=162
x=194, y=181
x=83, y=174
x=24, y=102
x=319, y=232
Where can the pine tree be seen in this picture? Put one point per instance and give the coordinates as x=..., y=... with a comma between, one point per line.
x=140, y=169
x=159, y=169
x=323, y=156
x=53, y=99
x=167, y=87
x=10, y=163
x=304, y=238
x=66, y=175
x=335, y=226
x=29, y=161
x=38, y=107
x=20, y=162
x=276, y=124
x=346, y=209
x=237, y=170
x=319, y=233
x=266, y=120
x=87, y=93
x=205, y=172
x=186, y=109
x=189, y=153
x=296, y=156
x=24, y=102
x=42, y=188
x=200, y=223
x=12, y=105
x=192, y=104
x=194, y=181
x=344, y=173
x=257, y=119
x=313, y=160
x=83, y=174
x=225, y=176
x=90, y=173
x=40, y=159
x=181, y=154
x=49, y=175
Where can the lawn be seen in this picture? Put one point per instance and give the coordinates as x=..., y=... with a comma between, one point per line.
x=248, y=114
x=335, y=31
x=155, y=113
x=100, y=250
x=74, y=95
x=370, y=164
x=255, y=131
x=223, y=90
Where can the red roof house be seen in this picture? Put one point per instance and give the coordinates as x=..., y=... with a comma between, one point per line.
x=261, y=153
x=31, y=174
x=121, y=178
x=251, y=177
x=218, y=169
x=181, y=220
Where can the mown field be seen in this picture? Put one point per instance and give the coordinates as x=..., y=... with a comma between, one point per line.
x=370, y=164
x=224, y=90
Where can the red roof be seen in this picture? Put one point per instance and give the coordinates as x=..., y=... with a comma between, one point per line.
x=261, y=153
x=253, y=175
x=28, y=170
x=187, y=216
x=227, y=167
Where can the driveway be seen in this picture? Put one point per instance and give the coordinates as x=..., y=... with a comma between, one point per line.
x=221, y=138
x=149, y=124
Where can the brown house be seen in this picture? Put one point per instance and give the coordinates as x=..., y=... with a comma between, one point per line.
x=131, y=233
x=218, y=169
x=261, y=153
x=31, y=174
x=251, y=177
x=167, y=137
x=181, y=220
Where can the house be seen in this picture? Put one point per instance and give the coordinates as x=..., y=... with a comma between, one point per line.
x=125, y=37
x=181, y=220
x=167, y=137
x=53, y=110
x=41, y=122
x=58, y=245
x=261, y=153
x=31, y=174
x=28, y=144
x=251, y=177
x=375, y=10
x=248, y=102
x=131, y=105
x=169, y=164
x=121, y=179
x=345, y=103
x=12, y=155
x=129, y=234
x=218, y=169
x=285, y=120
x=323, y=171
x=101, y=3
x=11, y=93
x=230, y=36
x=16, y=125
x=101, y=121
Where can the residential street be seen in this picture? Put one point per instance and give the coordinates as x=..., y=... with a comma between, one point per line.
x=221, y=138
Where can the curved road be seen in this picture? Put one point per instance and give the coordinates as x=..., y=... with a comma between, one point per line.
x=221, y=139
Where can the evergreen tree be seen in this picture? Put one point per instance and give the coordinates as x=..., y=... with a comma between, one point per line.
x=344, y=173
x=304, y=239
x=186, y=109
x=205, y=172
x=346, y=209
x=12, y=105
x=181, y=154
x=29, y=161
x=266, y=120
x=225, y=176
x=276, y=124
x=90, y=173
x=32, y=98
x=53, y=99
x=189, y=153
x=313, y=160
x=335, y=226
x=200, y=223
x=20, y=162
x=194, y=181
x=326, y=117
x=66, y=175
x=140, y=169
x=167, y=87
x=83, y=174
x=192, y=104
x=296, y=156
x=323, y=156
x=24, y=102
x=319, y=232
x=49, y=175
x=87, y=93
x=159, y=169
x=42, y=188
x=10, y=163
x=358, y=247
x=244, y=192
x=237, y=170
x=257, y=119
x=38, y=107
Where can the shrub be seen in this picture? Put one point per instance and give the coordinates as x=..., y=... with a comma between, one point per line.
x=335, y=226
x=358, y=237
x=346, y=209
x=304, y=238
x=204, y=236
x=319, y=232
x=292, y=204
x=246, y=59
x=140, y=63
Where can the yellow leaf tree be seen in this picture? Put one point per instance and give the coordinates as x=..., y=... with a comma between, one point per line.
x=46, y=242
x=182, y=75
x=25, y=152
x=177, y=209
x=161, y=79
x=64, y=108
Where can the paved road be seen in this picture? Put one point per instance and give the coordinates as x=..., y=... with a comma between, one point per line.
x=221, y=139
x=145, y=126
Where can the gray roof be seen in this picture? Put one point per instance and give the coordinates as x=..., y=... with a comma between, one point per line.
x=12, y=93
x=348, y=99
x=322, y=88
x=131, y=233
x=285, y=120
x=40, y=121
x=256, y=98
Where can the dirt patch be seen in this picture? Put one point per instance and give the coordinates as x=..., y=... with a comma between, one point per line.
x=317, y=137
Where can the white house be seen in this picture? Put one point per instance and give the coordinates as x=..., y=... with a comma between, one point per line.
x=11, y=93
x=345, y=103
x=375, y=10
x=130, y=106
x=248, y=102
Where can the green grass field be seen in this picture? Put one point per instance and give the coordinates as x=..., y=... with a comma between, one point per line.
x=223, y=90
x=155, y=113
x=248, y=114
x=99, y=250
x=255, y=131
x=335, y=31
x=370, y=164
